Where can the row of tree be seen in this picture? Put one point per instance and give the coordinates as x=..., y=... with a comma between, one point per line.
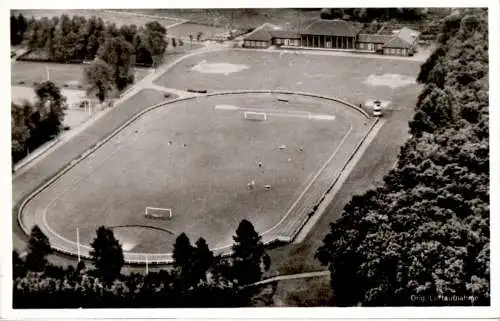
x=65, y=39
x=422, y=238
x=196, y=279
x=35, y=124
x=18, y=26
x=370, y=14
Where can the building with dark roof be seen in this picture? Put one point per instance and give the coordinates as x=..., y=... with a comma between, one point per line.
x=335, y=34
x=268, y=34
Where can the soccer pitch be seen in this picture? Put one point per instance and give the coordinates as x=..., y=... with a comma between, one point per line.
x=196, y=157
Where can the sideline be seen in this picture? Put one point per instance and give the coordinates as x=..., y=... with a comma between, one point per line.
x=330, y=196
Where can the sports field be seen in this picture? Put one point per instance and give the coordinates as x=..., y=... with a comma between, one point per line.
x=24, y=73
x=197, y=157
x=106, y=16
x=351, y=78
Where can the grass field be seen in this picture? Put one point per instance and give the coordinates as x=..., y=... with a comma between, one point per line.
x=107, y=17
x=344, y=77
x=197, y=160
x=238, y=18
x=24, y=73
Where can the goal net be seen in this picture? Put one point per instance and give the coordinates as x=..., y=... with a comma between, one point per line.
x=158, y=213
x=256, y=116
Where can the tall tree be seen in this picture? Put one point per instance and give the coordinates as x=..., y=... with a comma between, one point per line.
x=248, y=254
x=119, y=55
x=100, y=78
x=51, y=104
x=38, y=249
x=20, y=131
x=203, y=260
x=107, y=254
x=154, y=38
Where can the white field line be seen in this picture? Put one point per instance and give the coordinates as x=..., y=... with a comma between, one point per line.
x=311, y=182
x=338, y=185
x=166, y=257
x=278, y=112
x=73, y=187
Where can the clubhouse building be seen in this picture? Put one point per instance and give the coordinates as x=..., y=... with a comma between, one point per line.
x=335, y=34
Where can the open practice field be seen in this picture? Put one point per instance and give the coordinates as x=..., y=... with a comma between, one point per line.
x=106, y=16
x=351, y=78
x=196, y=158
x=26, y=73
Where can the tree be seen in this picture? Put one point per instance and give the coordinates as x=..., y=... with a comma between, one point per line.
x=119, y=55
x=203, y=260
x=154, y=38
x=51, y=104
x=248, y=254
x=20, y=132
x=107, y=254
x=99, y=76
x=38, y=249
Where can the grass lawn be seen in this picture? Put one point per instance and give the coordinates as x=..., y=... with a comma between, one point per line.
x=29, y=73
x=26, y=182
x=25, y=73
x=197, y=160
x=345, y=77
x=107, y=17
x=241, y=18
x=309, y=292
x=185, y=29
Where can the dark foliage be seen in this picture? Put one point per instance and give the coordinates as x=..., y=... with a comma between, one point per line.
x=33, y=125
x=197, y=279
x=107, y=254
x=423, y=237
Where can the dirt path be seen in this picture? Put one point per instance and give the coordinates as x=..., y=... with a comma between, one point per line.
x=305, y=275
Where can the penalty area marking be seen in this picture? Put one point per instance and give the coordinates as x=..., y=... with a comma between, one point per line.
x=279, y=113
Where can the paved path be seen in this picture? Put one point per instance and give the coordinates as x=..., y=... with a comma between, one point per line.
x=71, y=144
x=145, y=83
x=305, y=275
x=319, y=52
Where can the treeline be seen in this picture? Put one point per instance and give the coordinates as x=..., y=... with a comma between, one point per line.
x=423, y=237
x=75, y=39
x=18, y=26
x=34, y=124
x=197, y=278
x=370, y=14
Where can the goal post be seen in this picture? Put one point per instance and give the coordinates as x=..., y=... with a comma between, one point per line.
x=158, y=213
x=256, y=116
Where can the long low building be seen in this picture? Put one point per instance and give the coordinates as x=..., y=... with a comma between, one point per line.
x=335, y=34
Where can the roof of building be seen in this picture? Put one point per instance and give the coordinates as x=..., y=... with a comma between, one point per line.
x=363, y=37
x=339, y=28
x=405, y=38
x=285, y=34
x=261, y=33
